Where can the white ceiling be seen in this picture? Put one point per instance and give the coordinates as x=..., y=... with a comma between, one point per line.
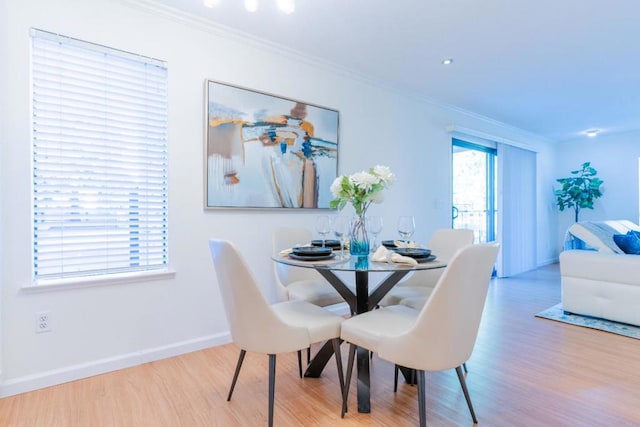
x=551, y=67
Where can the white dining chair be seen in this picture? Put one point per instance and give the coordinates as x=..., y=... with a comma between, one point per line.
x=299, y=283
x=415, y=290
x=441, y=335
x=270, y=329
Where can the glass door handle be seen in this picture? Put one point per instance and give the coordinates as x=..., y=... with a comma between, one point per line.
x=454, y=212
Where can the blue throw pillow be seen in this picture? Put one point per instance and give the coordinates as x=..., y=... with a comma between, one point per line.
x=634, y=232
x=629, y=243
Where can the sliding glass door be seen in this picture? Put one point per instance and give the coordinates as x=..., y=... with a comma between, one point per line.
x=474, y=189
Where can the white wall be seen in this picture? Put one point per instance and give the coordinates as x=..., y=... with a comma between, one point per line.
x=3, y=90
x=107, y=327
x=615, y=157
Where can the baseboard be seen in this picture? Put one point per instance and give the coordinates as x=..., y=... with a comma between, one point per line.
x=59, y=376
x=548, y=262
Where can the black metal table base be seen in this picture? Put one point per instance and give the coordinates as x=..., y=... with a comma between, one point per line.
x=359, y=303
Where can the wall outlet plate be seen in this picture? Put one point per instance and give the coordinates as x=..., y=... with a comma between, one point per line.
x=43, y=321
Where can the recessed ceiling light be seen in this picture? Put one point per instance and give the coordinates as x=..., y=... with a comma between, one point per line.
x=592, y=132
x=251, y=5
x=447, y=61
x=287, y=6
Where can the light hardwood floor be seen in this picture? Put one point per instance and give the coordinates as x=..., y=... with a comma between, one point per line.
x=525, y=371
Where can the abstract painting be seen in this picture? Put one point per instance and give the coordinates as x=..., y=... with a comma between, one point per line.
x=266, y=151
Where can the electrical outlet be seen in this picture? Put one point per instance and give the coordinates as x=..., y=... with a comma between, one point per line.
x=43, y=321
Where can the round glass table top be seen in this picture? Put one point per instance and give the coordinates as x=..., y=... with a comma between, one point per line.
x=352, y=263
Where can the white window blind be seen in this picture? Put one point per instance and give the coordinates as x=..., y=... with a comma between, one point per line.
x=99, y=159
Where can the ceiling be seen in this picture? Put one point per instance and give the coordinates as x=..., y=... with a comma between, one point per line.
x=554, y=68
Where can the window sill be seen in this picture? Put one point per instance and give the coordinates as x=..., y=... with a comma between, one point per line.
x=45, y=285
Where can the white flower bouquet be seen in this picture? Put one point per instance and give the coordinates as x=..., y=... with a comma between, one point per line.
x=361, y=189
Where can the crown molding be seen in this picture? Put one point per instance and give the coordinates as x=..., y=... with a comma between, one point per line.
x=235, y=35
x=519, y=141
x=239, y=36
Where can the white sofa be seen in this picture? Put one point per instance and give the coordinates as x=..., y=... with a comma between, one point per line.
x=600, y=280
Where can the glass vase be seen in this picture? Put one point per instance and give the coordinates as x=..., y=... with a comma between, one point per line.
x=359, y=239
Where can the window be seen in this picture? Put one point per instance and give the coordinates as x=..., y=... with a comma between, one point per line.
x=474, y=189
x=99, y=159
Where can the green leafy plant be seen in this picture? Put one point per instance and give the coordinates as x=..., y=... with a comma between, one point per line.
x=579, y=191
x=361, y=189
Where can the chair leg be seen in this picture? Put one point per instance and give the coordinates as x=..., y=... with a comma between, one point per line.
x=395, y=378
x=345, y=393
x=272, y=386
x=235, y=375
x=336, y=352
x=300, y=360
x=463, y=383
x=464, y=366
x=409, y=374
x=422, y=397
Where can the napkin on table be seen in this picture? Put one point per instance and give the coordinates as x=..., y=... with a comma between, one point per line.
x=404, y=244
x=383, y=254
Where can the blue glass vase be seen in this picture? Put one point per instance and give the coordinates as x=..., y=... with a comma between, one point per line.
x=359, y=239
x=362, y=263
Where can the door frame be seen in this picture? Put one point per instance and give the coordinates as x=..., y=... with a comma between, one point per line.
x=490, y=184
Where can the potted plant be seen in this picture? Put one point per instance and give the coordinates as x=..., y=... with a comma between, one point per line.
x=580, y=190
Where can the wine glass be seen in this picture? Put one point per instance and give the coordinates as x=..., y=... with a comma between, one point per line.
x=341, y=231
x=374, y=224
x=323, y=226
x=406, y=227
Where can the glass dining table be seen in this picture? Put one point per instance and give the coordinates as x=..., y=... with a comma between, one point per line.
x=360, y=299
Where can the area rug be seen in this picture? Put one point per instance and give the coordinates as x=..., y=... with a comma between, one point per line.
x=556, y=313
